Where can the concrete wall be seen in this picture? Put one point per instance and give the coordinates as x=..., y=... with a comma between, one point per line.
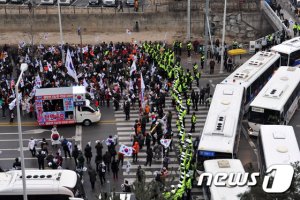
x=243, y=21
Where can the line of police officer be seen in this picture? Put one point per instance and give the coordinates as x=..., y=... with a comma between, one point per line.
x=181, y=80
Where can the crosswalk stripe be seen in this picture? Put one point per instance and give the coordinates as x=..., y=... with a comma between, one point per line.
x=125, y=129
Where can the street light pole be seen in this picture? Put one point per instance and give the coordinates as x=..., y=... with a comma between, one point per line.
x=24, y=67
x=206, y=31
x=189, y=20
x=80, y=35
x=223, y=38
x=61, y=33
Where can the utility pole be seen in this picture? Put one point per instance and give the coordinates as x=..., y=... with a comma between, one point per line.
x=188, y=21
x=61, y=33
x=206, y=31
x=80, y=36
x=223, y=38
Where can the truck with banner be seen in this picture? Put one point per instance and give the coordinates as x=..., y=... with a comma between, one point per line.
x=65, y=105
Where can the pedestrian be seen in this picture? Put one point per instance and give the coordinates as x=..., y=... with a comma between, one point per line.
x=12, y=116
x=101, y=170
x=229, y=64
x=88, y=153
x=120, y=158
x=41, y=160
x=115, y=169
x=17, y=164
x=59, y=159
x=107, y=160
x=211, y=66
x=31, y=146
x=127, y=109
x=196, y=101
x=66, y=148
x=126, y=187
x=136, y=5
x=99, y=148
x=44, y=146
x=136, y=149
x=148, y=140
x=75, y=154
x=208, y=101
x=92, y=174
x=80, y=160
x=149, y=157
x=166, y=161
x=140, y=174
x=120, y=6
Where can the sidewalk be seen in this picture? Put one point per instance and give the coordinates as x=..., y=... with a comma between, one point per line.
x=188, y=64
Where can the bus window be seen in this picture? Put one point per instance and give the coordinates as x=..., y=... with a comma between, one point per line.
x=256, y=117
x=284, y=59
x=295, y=58
x=272, y=117
x=87, y=109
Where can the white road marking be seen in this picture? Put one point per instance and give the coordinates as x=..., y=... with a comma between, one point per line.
x=78, y=136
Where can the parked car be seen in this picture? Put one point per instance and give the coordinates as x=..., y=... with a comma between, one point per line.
x=4, y=1
x=130, y=2
x=94, y=2
x=65, y=2
x=109, y=3
x=17, y=1
x=48, y=2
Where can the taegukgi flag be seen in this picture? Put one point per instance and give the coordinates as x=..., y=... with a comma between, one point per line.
x=165, y=142
x=127, y=151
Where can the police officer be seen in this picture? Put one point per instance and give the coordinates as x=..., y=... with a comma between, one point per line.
x=193, y=121
x=202, y=58
x=180, y=47
x=188, y=104
x=295, y=29
x=189, y=48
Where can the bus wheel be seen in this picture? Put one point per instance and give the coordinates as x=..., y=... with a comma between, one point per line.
x=87, y=122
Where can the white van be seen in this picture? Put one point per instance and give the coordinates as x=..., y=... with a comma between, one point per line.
x=65, y=105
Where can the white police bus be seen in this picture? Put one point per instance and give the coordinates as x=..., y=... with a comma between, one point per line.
x=277, y=101
x=254, y=74
x=289, y=51
x=221, y=132
x=223, y=192
x=277, y=144
x=42, y=185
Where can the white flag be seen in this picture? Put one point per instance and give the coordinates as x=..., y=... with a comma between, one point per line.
x=12, y=104
x=41, y=66
x=132, y=68
x=142, y=88
x=85, y=84
x=152, y=69
x=70, y=66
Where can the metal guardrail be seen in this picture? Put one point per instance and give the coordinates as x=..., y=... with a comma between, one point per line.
x=277, y=21
x=273, y=16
